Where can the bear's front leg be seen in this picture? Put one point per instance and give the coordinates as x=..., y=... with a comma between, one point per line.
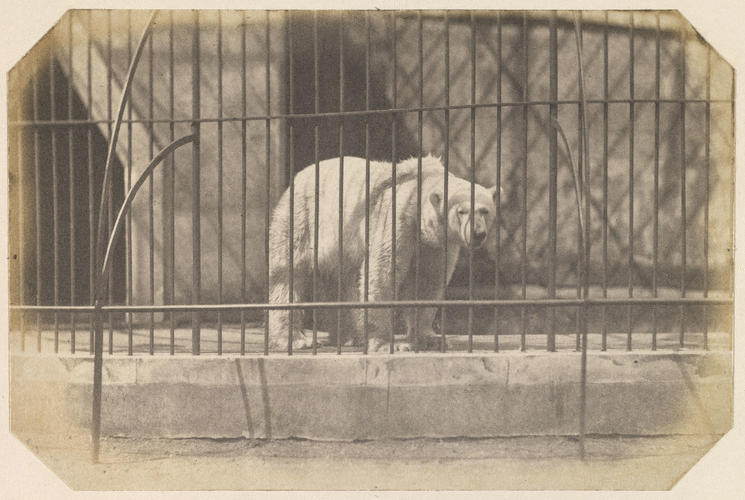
x=283, y=322
x=419, y=324
x=424, y=338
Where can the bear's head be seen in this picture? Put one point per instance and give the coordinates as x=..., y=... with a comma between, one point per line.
x=458, y=214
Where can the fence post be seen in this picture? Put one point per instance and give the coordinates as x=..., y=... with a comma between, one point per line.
x=98, y=284
x=97, y=376
x=195, y=187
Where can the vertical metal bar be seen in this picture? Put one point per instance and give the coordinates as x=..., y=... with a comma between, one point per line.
x=109, y=197
x=37, y=202
x=55, y=188
x=101, y=276
x=394, y=132
x=97, y=375
x=584, y=255
x=580, y=168
x=586, y=195
x=656, y=228
x=367, y=184
x=71, y=181
x=707, y=145
x=244, y=154
x=341, y=180
x=291, y=109
x=583, y=370
x=683, y=218
x=443, y=310
x=151, y=197
x=498, y=214
x=195, y=186
x=418, y=248
x=220, y=179
x=473, y=178
x=172, y=186
x=524, y=208
x=553, y=175
x=267, y=204
x=128, y=228
x=632, y=122
x=316, y=195
x=604, y=326
x=91, y=204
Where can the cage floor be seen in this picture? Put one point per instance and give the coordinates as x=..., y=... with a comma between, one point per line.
x=143, y=341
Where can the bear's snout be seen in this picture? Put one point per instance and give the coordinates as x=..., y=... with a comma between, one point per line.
x=479, y=236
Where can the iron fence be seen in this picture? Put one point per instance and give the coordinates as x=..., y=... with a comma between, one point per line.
x=336, y=84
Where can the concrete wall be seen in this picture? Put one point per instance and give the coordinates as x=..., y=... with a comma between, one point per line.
x=353, y=397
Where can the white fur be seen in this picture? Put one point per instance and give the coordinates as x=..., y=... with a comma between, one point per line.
x=380, y=285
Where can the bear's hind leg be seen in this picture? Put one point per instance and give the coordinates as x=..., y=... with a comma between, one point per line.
x=378, y=321
x=342, y=322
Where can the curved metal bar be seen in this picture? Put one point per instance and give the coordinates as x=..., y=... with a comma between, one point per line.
x=157, y=159
x=115, y=133
x=575, y=174
x=582, y=99
x=581, y=195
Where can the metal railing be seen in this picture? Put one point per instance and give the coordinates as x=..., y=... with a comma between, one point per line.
x=294, y=121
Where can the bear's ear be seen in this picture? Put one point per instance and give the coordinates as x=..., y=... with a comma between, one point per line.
x=436, y=199
x=494, y=193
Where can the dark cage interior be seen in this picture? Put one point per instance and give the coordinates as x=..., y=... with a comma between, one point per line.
x=488, y=92
x=61, y=157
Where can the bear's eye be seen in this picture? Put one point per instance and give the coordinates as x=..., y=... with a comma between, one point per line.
x=483, y=211
x=463, y=211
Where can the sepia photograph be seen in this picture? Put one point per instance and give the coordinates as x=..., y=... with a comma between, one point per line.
x=371, y=250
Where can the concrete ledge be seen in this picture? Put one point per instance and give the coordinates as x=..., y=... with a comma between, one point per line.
x=355, y=397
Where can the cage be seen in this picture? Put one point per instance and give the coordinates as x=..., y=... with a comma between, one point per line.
x=490, y=93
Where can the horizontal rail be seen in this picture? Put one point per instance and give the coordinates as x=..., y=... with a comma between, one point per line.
x=690, y=301
x=339, y=114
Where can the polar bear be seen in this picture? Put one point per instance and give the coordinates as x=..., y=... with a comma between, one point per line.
x=432, y=234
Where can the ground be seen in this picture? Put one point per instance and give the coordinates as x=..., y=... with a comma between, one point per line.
x=620, y=462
